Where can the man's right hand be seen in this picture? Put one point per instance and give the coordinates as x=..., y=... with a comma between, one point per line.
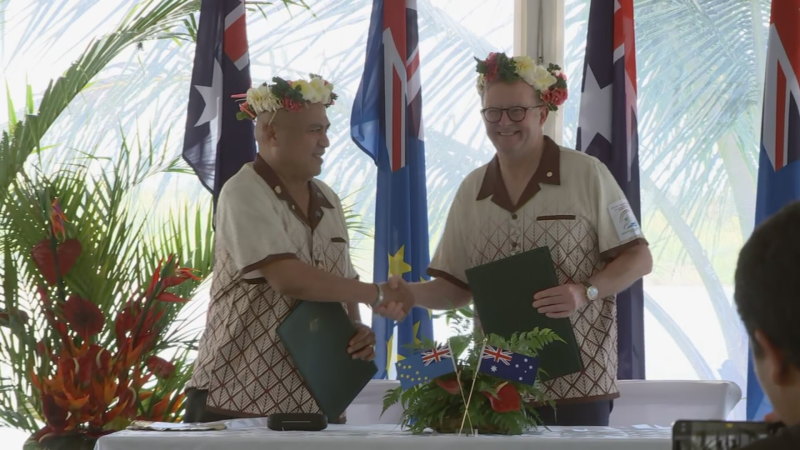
x=397, y=299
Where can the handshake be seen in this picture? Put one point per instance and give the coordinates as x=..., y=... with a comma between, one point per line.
x=395, y=299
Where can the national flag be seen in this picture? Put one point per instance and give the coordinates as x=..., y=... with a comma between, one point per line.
x=508, y=365
x=778, y=167
x=422, y=367
x=386, y=123
x=216, y=144
x=607, y=129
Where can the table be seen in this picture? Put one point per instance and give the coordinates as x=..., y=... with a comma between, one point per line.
x=253, y=434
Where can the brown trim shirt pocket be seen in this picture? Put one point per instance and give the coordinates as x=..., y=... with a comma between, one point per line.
x=557, y=217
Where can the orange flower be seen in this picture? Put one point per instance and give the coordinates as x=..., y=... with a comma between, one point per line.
x=57, y=219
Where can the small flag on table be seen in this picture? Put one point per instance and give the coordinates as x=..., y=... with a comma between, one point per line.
x=424, y=366
x=508, y=365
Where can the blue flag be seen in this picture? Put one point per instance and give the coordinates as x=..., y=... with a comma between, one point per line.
x=779, y=160
x=386, y=123
x=508, y=365
x=607, y=129
x=424, y=366
x=216, y=144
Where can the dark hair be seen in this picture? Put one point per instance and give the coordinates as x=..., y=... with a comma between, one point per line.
x=767, y=282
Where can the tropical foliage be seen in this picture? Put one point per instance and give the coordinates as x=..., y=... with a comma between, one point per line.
x=80, y=342
x=495, y=406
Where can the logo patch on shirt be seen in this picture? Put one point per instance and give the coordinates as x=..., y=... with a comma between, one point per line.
x=624, y=220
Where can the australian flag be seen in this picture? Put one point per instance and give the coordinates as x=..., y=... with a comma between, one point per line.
x=779, y=165
x=508, y=365
x=216, y=144
x=386, y=123
x=607, y=129
x=424, y=366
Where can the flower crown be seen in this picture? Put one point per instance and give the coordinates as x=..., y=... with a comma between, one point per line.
x=284, y=94
x=550, y=82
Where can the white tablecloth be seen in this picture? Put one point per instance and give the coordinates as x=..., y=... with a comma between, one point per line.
x=252, y=434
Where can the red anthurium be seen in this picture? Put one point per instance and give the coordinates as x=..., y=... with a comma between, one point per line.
x=67, y=251
x=160, y=367
x=84, y=317
x=450, y=386
x=507, y=398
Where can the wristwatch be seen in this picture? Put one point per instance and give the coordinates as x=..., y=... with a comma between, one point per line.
x=591, y=292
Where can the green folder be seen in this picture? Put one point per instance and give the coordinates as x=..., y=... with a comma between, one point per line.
x=503, y=292
x=316, y=335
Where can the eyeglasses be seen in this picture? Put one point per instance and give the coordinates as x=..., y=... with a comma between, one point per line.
x=515, y=113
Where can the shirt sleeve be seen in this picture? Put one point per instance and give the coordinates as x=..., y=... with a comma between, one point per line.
x=450, y=261
x=617, y=225
x=251, y=228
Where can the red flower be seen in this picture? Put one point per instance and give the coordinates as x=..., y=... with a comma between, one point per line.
x=491, y=67
x=84, y=317
x=160, y=367
x=556, y=96
x=67, y=253
x=450, y=386
x=181, y=274
x=291, y=105
x=506, y=400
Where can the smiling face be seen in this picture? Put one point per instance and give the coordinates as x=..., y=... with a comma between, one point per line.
x=514, y=138
x=295, y=141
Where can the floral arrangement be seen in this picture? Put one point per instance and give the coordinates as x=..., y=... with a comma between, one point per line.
x=93, y=374
x=285, y=94
x=550, y=82
x=470, y=398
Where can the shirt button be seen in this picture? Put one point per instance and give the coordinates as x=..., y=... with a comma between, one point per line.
x=278, y=189
x=514, y=216
x=514, y=245
x=549, y=174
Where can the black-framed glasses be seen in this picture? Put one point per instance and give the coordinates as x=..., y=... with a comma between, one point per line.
x=515, y=113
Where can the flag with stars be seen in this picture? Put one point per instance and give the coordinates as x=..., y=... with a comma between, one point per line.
x=386, y=123
x=508, y=365
x=422, y=367
x=216, y=144
x=607, y=129
x=779, y=155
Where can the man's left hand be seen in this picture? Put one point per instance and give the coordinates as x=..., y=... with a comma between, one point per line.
x=560, y=301
x=362, y=344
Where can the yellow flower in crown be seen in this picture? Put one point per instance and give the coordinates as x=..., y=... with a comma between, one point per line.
x=291, y=95
x=550, y=82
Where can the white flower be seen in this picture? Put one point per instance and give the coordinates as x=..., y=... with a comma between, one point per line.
x=316, y=90
x=541, y=79
x=261, y=99
x=525, y=68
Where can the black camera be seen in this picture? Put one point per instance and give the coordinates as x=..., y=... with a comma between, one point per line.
x=297, y=421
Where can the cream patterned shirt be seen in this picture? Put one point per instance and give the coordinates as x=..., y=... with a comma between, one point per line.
x=574, y=206
x=241, y=360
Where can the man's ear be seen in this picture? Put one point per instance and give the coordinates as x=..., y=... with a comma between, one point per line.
x=543, y=113
x=774, y=363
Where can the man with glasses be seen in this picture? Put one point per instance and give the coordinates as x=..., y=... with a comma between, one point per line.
x=534, y=193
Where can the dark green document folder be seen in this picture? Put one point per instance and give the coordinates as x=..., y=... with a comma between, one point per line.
x=316, y=335
x=503, y=292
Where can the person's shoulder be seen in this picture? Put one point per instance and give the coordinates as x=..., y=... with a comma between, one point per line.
x=576, y=157
x=239, y=185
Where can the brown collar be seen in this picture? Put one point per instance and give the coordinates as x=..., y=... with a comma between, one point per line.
x=316, y=201
x=547, y=172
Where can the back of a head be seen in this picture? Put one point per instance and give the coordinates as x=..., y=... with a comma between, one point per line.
x=767, y=281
